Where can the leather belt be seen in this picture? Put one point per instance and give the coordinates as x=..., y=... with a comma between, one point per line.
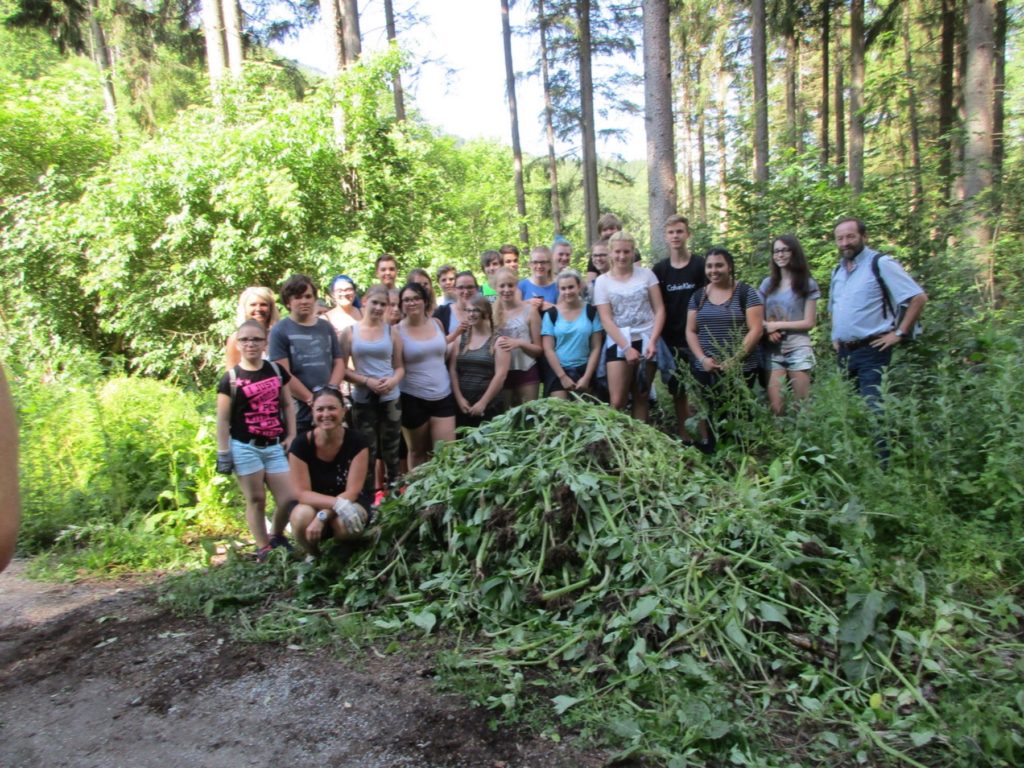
x=849, y=346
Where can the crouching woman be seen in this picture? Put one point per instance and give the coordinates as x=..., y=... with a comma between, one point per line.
x=329, y=466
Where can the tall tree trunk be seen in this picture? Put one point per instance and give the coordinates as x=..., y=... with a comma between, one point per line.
x=332, y=27
x=826, y=32
x=947, y=69
x=798, y=88
x=723, y=78
x=517, y=151
x=998, y=105
x=591, y=203
x=759, y=61
x=856, y=162
x=721, y=108
x=216, y=57
x=686, y=110
x=840, y=111
x=233, y=35
x=915, y=130
x=792, y=70
x=549, y=121
x=101, y=55
x=702, y=148
x=396, y=85
x=959, y=105
x=658, y=121
x=700, y=108
x=979, y=92
x=351, y=39
x=331, y=18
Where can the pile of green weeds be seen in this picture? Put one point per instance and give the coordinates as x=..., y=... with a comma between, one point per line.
x=586, y=559
x=593, y=575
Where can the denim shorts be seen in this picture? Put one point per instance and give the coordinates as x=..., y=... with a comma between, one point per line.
x=799, y=359
x=250, y=459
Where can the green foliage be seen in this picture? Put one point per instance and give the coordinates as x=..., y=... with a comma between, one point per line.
x=53, y=122
x=169, y=231
x=119, y=471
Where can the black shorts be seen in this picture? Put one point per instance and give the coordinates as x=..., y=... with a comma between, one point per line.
x=611, y=352
x=552, y=384
x=416, y=411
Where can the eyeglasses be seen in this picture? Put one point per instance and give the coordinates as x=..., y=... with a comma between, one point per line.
x=777, y=251
x=251, y=340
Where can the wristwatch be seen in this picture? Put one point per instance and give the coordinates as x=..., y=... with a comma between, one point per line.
x=322, y=516
x=900, y=334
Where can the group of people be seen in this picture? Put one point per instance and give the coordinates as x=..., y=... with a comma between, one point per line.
x=327, y=410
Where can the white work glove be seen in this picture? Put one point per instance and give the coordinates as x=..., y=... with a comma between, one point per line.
x=350, y=516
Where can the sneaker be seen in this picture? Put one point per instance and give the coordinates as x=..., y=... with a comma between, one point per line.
x=263, y=553
x=280, y=540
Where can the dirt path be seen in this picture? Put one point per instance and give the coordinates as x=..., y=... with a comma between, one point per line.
x=97, y=674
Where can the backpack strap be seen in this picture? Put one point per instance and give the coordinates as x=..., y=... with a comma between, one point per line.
x=702, y=298
x=277, y=371
x=591, y=312
x=233, y=385
x=887, y=303
x=552, y=313
x=887, y=307
x=444, y=314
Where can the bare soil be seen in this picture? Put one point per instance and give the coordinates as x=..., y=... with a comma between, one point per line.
x=99, y=674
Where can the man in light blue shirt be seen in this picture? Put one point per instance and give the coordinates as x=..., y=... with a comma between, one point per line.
x=866, y=324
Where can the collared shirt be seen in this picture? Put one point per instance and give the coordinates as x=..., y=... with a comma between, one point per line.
x=855, y=297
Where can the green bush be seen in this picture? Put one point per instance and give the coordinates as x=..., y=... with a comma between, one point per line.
x=100, y=458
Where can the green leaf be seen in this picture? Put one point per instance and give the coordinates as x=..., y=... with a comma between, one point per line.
x=635, y=658
x=562, y=703
x=626, y=728
x=425, y=620
x=773, y=613
x=920, y=738
x=735, y=632
x=859, y=623
x=644, y=607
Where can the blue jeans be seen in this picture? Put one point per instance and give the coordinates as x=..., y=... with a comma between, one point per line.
x=865, y=365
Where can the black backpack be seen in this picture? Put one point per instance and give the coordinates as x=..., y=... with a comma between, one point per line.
x=552, y=313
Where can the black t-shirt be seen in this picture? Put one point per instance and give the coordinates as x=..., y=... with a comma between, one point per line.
x=677, y=286
x=331, y=477
x=256, y=411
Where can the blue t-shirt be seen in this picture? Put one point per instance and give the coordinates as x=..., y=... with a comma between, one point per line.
x=547, y=292
x=572, y=339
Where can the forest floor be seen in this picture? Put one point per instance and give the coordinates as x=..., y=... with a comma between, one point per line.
x=98, y=673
